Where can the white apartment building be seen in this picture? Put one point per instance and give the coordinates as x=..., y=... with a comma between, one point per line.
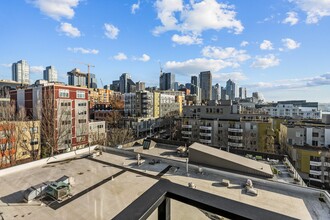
x=50, y=74
x=21, y=72
x=292, y=111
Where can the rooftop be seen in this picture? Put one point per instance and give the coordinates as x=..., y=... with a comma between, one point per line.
x=106, y=185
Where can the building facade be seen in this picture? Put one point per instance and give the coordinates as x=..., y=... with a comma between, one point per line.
x=308, y=145
x=21, y=72
x=227, y=126
x=62, y=110
x=50, y=74
x=205, y=80
x=166, y=81
x=19, y=141
x=294, y=110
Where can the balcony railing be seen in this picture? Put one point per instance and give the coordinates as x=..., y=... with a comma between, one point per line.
x=316, y=180
x=186, y=126
x=315, y=163
x=205, y=134
x=205, y=141
x=205, y=127
x=186, y=132
x=235, y=137
x=235, y=130
x=315, y=172
x=231, y=144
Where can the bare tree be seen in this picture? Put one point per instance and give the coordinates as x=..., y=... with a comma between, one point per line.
x=56, y=123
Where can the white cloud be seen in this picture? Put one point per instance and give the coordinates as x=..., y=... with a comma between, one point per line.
x=135, y=7
x=194, y=66
x=143, y=58
x=6, y=65
x=244, y=43
x=111, y=31
x=120, y=56
x=229, y=53
x=83, y=50
x=236, y=76
x=186, y=39
x=294, y=83
x=69, y=30
x=214, y=59
x=292, y=18
x=265, y=62
x=266, y=45
x=37, y=69
x=290, y=44
x=56, y=9
x=315, y=9
x=195, y=17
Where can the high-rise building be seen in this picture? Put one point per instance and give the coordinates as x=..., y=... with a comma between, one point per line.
x=21, y=72
x=166, y=81
x=205, y=80
x=194, y=80
x=224, y=95
x=50, y=74
x=126, y=84
x=216, y=92
x=93, y=81
x=140, y=86
x=115, y=85
x=242, y=93
x=231, y=89
x=77, y=78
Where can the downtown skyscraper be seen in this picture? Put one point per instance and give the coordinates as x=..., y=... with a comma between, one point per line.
x=166, y=81
x=50, y=74
x=205, y=80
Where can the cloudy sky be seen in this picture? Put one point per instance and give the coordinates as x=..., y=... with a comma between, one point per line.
x=277, y=47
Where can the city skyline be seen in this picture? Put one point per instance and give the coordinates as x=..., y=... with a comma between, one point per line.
x=280, y=51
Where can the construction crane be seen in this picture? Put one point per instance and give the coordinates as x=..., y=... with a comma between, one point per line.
x=88, y=73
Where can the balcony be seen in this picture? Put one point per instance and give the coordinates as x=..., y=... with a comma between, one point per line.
x=206, y=134
x=205, y=141
x=186, y=132
x=235, y=130
x=316, y=180
x=315, y=163
x=235, y=137
x=205, y=128
x=315, y=172
x=231, y=144
x=326, y=164
x=186, y=126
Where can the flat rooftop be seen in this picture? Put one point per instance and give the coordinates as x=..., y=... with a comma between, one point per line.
x=105, y=185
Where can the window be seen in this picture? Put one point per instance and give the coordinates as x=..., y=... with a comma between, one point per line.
x=80, y=94
x=82, y=121
x=315, y=143
x=315, y=134
x=82, y=104
x=34, y=130
x=64, y=93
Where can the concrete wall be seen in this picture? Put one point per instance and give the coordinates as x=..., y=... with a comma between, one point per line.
x=39, y=163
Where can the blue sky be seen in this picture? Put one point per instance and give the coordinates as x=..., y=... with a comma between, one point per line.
x=277, y=47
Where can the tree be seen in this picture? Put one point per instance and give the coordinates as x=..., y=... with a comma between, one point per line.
x=117, y=133
x=56, y=124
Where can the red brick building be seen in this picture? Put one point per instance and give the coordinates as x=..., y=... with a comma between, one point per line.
x=62, y=110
